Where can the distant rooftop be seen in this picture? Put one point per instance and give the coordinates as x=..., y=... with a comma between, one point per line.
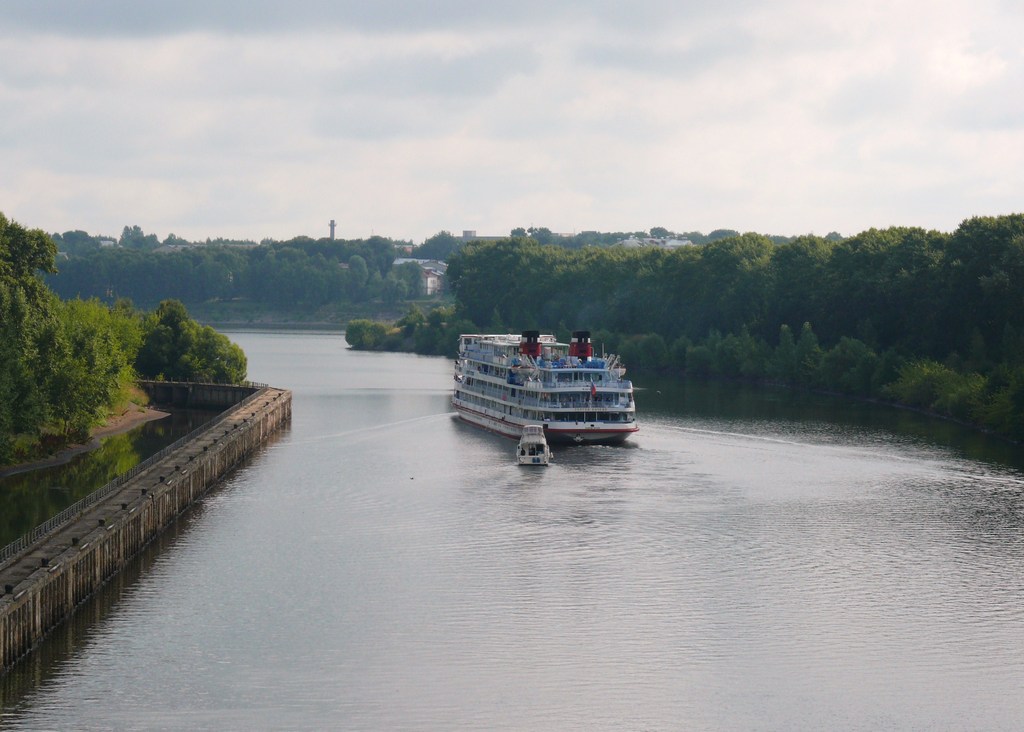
x=434, y=264
x=648, y=241
x=471, y=235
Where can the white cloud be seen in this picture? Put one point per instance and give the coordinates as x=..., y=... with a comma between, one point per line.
x=400, y=119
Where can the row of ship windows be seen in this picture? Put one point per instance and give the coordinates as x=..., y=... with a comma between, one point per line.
x=610, y=397
x=562, y=377
x=543, y=416
x=577, y=400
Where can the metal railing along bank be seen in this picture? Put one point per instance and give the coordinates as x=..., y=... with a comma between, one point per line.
x=75, y=510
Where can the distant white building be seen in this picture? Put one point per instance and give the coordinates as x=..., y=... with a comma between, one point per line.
x=433, y=282
x=648, y=241
x=432, y=273
x=170, y=248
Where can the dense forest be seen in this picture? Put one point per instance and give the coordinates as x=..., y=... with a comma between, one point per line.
x=301, y=273
x=65, y=364
x=927, y=319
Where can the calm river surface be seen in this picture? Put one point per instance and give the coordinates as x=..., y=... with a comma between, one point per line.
x=753, y=560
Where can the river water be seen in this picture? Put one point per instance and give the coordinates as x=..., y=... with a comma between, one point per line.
x=753, y=560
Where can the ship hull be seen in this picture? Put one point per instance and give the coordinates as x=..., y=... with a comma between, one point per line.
x=569, y=433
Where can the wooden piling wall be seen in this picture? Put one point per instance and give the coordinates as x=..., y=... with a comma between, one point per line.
x=64, y=569
x=184, y=394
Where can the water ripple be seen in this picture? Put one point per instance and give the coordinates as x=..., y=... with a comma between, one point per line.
x=385, y=567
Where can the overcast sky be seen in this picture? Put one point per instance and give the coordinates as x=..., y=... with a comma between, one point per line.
x=267, y=119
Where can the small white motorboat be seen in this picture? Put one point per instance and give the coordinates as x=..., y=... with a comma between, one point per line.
x=533, y=446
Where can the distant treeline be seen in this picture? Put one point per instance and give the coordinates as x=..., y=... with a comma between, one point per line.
x=924, y=318
x=65, y=364
x=444, y=244
x=304, y=273
x=298, y=274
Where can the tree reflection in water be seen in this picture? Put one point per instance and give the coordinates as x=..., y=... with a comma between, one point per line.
x=28, y=499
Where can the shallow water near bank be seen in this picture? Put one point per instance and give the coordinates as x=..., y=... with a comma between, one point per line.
x=29, y=498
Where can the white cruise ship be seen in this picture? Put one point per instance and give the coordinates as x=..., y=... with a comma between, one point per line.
x=506, y=381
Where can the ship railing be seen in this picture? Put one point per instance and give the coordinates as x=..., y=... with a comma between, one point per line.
x=622, y=384
x=532, y=401
x=530, y=397
x=485, y=357
x=601, y=406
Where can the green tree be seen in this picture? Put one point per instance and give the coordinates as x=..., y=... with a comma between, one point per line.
x=677, y=353
x=413, y=320
x=440, y=246
x=887, y=277
x=808, y=356
x=700, y=360
x=796, y=274
x=784, y=364
x=394, y=289
x=934, y=386
x=133, y=237
x=90, y=350
x=1003, y=410
x=176, y=348
x=734, y=283
x=366, y=335
x=215, y=358
x=24, y=253
x=542, y=235
x=652, y=351
x=983, y=265
x=409, y=274
x=27, y=312
x=849, y=367
x=359, y=275
x=76, y=242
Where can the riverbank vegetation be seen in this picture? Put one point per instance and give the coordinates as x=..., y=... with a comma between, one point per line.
x=66, y=365
x=926, y=319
